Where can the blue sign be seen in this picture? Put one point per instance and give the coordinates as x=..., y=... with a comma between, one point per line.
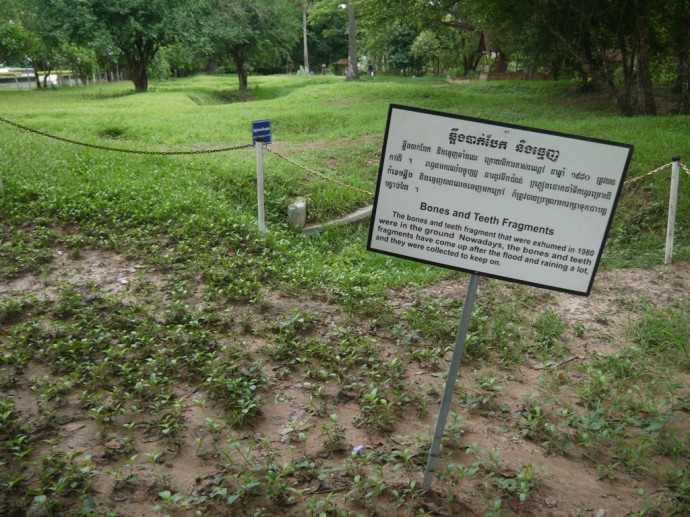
x=261, y=129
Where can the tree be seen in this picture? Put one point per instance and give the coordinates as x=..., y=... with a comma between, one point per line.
x=387, y=20
x=137, y=28
x=250, y=32
x=426, y=47
x=16, y=40
x=327, y=39
x=352, y=63
x=305, y=43
x=305, y=6
x=675, y=40
x=400, y=56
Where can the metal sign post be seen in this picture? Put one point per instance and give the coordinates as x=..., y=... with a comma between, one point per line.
x=261, y=135
x=260, y=184
x=435, y=450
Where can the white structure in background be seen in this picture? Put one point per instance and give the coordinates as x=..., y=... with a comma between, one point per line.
x=22, y=78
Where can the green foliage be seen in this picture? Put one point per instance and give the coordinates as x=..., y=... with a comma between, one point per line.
x=549, y=327
x=664, y=332
x=250, y=33
x=679, y=488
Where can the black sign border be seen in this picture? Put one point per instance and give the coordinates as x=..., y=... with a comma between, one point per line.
x=619, y=191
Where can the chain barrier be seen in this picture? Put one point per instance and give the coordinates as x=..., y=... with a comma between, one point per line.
x=176, y=153
x=658, y=169
x=319, y=175
x=685, y=168
x=646, y=175
x=246, y=146
x=119, y=150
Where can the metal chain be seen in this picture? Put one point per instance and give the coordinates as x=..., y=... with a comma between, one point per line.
x=246, y=146
x=648, y=174
x=118, y=150
x=318, y=174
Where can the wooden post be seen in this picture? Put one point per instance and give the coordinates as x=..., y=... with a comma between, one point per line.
x=672, y=202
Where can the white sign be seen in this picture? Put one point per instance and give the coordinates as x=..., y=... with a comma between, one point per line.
x=504, y=201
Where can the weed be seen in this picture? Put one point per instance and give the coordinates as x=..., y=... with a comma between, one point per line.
x=549, y=327
x=172, y=501
x=333, y=434
x=64, y=478
x=126, y=475
x=539, y=428
x=664, y=332
x=12, y=309
x=484, y=399
x=678, y=484
x=321, y=506
x=454, y=431
x=376, y=410
x=521, y=485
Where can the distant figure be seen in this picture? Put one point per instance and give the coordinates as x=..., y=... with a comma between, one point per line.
x=370, y=70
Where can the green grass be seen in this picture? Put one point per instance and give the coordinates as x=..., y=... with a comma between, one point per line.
x=214, y=310
x=330, y=126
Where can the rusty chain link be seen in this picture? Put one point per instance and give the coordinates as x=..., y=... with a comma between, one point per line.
x=319, y=175
x=119, y=150
x=633, y=180
x=646, y=175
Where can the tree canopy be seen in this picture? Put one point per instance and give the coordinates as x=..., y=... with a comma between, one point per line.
x=251, y=32
x=137, y=28
x=625, y=47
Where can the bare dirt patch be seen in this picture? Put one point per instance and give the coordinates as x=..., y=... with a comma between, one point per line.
x=137, y=462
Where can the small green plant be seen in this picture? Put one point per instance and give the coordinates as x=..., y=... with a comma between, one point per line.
x=454, y=431
x=64, y=478
x=484, y=398
x=678, y=484
x=126, y=474
x=537, y=426
x=333, y=434
x=521, y=485
x=172, y=501
x=549, y=328
x=376, y=410
x=11, y=309
x=664, y=332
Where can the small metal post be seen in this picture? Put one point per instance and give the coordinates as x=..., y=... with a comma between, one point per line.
x=259, y=144
x=673, y=201
x=435, y=450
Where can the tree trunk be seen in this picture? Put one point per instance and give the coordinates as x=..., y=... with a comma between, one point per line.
x=45, y=78
x=304, y=36
x=37, y=78
x=684, y=65
x=138, y=74
x=647, y=101
x=243, y=78
x=352, y=68
x=242, y=75
x=213, y=64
